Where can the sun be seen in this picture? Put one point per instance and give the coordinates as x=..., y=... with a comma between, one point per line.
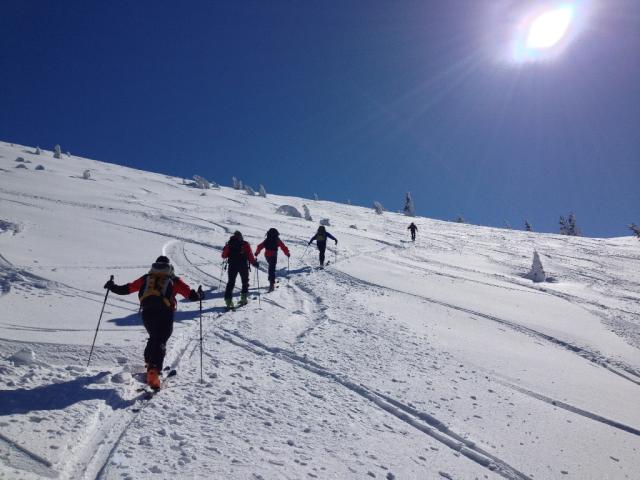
x=549, y=28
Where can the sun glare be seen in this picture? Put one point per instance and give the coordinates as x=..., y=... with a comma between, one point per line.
x=549, y=28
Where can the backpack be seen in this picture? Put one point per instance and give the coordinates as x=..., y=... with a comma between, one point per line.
x=156, y=291
x=236, y=253
x=321, y=237
x=273, y=237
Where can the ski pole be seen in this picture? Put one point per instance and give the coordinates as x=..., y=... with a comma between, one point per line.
x=99, y=320
x=288, y=258
x=201, y=295
x=305, y=251
x=221, y=272
x=258, y=283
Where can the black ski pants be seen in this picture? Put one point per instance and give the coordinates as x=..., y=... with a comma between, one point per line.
x=159, y=325
x=322, y=246
x=272, y=261
x=233, y=271
x=413, y=235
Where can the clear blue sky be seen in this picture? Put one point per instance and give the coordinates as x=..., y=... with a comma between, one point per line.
x=359, y=100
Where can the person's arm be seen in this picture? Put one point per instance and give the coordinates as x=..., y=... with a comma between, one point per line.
x=332, y=237
x=283, y=247
x=313, y=238
x=184, y=290
x=225, y=251
x=259, y=248
x=125, y=289
x=247, y=250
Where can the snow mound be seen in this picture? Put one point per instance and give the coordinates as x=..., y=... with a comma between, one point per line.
x=25, y=356
x=289, y=211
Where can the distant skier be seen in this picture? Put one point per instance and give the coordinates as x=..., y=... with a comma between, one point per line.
x=413, y=229
x=157, y=292
x=239, y=254
x=270, y=245
x=321, y=241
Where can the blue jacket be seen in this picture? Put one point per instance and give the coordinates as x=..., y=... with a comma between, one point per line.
x=321, y=240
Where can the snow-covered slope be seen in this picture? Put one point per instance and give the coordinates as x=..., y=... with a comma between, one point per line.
x=437, y=359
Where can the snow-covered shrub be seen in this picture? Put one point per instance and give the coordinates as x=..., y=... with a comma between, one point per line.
x=409, y=209
x=537, y=273
x=325, y=222
x=289, y=211
x=236, y=185
x=355, y=227
x=38, y=151
x=40, y=167
x=21, y=165
x=240, y=185
x=249, y=190
x=68, y=153
x=22, y=160
x=348, y=201
x=377, y=206
x=460, y=219
x=635, y=229
x=57, y=152
x=262, y=191
x=527, y=226
x=307, y=213
x=203, y=194
x=315, y=197
x=86, y=174
x=201, y=182
x=568, y=226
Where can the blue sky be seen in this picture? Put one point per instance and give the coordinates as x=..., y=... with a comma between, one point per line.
x=359, y=100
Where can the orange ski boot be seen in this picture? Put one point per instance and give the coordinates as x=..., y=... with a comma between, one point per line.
x=153, y=378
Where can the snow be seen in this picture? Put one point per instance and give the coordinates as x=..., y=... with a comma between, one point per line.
x=399, y=360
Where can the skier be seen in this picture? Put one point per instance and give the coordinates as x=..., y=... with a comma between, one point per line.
x=270, y=245
x=239, y=255
x=413, y=229
x=321, y=241
x=157, y=292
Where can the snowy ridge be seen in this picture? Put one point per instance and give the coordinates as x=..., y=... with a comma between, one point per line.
x=399, y=360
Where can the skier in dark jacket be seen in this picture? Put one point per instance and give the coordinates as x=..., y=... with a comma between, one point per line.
x=239, y=254
x=321, y=241
x=157, y=293
x=271, y=245
x=413, y=229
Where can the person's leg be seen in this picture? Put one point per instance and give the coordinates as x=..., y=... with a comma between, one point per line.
x=272, y=261
x=244, y=277
x=322, y=247
x=232, y=274
x=159, y=326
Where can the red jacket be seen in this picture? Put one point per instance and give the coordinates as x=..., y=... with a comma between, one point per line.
x=246, y=249
x=271, y=253
x=178, y=287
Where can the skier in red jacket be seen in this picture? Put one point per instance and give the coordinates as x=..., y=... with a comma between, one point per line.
x=271, y=245
x=239, y=254
x=157, y=293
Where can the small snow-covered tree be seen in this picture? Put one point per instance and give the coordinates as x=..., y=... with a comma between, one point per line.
x=38, y=151
x=57, y=152
x=315, y=197
x=527, y=226
x=377, y=206
x=507, y=224
x=249, y=190
x=40, y=167
x=325, y=222
x=86, y=174
x=236, y=185
x=307, y=213
x=348, y=201
x=289, y=211
x=537, y=273
x=460, y=219
x=201, y=182
x=568, y=226
x=409, y=209
x=262, y=191
x=240, y=185
x=635, y=229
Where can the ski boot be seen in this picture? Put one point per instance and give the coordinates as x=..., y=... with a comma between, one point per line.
x=153, y=378
x=229, y=304
x=272, y=286
x=243, y=300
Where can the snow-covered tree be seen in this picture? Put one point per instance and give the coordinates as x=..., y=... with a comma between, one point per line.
x=57, y=152
x=635, y=229
x=527, y=226
x=262, y=191
x=289, y=211
x=249, y=190
x=507, y=224
x=325, y=222
x=86, y=174
x=307, y=213
x=201, y=182
x=537, y=273
x=240, y=185
x=40, y=167
x=315, y=197
x=409, y=209
x=568, y=226
x=38, y=151
x=460, y=219
x=348, y=201
x=377, y=206
x=236, y=184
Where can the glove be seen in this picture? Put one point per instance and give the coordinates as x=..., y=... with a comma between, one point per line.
x=109, y=285
x=336, y=242
x=193, y=295
x=288, y=255
x=200, y=293
x=256, y=264
x=256, y=254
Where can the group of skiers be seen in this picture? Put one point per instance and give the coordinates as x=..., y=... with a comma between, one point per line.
x=158, y=288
